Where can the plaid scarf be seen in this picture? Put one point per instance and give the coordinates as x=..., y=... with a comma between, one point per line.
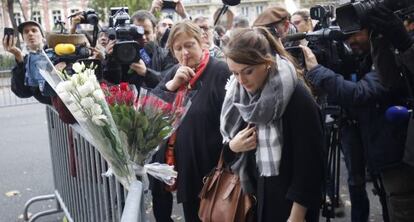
x=264, y=109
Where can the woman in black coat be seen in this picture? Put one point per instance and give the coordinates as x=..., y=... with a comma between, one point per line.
x=284, y=133
x=198, y=141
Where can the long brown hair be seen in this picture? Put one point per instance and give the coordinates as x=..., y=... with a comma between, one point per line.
x=253, y=46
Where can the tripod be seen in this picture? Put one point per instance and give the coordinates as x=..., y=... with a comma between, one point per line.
x=332, y=167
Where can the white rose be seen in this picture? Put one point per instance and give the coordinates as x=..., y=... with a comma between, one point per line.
x=99, y=120
x=75, y=79
x=86, y=89
x=68, y=85
x=98, y=94
x=66, y=97
x=87, y=102
x=90, y=72
x=77, y=67
x=96, y=109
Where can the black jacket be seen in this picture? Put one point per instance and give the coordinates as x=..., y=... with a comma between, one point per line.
x=19, y=88
x=367, y=101
x=161, y=61
x=199, y=141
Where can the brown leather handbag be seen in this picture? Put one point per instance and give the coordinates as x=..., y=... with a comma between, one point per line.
x=222, y=198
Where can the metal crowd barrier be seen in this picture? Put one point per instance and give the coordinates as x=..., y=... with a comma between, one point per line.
x=7, y=97
x=81, y=191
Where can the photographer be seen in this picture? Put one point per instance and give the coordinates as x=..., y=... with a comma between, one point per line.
x=142, y=73
x=367, y=99
x=26, y=80
x=392, y=28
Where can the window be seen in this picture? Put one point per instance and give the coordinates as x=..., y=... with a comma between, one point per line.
x=56, y=15
x=18, y=18
x=245, y=11
x=36, y=17
x=259, y=9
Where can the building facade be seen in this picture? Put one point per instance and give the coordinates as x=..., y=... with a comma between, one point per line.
x=247, y=8
x=45, y=12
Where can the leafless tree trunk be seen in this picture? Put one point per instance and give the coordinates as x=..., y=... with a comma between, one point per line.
x=10, y=10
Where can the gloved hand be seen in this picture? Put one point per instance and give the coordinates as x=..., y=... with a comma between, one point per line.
x=384, y=21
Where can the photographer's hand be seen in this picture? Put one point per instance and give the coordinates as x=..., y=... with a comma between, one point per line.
x=109, y=49
x=139, y=67
x=387, y=23
x=180, y=9
x=75, y=20
x=9, y=44
x=244, y=140
x=310, y=58
x=156, y=6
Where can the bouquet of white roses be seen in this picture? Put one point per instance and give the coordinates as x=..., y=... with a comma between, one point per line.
x=82, y=95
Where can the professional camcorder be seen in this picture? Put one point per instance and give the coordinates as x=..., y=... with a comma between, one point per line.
x=326, y=42
x=126, y=49
x=351, y=17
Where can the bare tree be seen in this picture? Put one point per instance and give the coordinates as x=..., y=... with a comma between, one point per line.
x=10, y=10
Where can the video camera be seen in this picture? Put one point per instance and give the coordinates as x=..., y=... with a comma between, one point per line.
x=352, y=16
x=326, y=42
x=126, y=49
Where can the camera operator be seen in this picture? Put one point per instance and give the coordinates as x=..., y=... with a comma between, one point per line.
x=26, y=80
x=366, y=100
x=140, y=73
x=162, y=26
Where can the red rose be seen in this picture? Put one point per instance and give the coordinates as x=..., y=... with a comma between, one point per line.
x=119, y=97
x=104, y=86
x=124, y=86
x=129, y=98
x=111, y=100
x=114, y=89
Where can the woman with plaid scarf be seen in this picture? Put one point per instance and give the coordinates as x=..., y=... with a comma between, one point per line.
x=272, y=129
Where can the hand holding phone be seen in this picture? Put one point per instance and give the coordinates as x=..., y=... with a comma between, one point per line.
x=9, y=44
x=169, y=4
x=8, y=32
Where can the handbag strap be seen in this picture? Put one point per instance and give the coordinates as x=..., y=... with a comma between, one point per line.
x=220, y=163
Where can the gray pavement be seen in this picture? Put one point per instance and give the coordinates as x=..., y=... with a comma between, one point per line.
x=25, y=167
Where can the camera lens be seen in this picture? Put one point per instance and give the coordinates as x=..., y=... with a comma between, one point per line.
x=127, y=52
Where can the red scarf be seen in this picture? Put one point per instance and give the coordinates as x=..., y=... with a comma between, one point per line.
x=182, y=91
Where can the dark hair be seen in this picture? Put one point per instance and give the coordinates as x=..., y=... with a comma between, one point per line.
x=141, y=15
x=253, y=46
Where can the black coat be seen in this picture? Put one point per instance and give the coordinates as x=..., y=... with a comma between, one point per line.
x=19, y=88
x=199, y=141
x=301, y=170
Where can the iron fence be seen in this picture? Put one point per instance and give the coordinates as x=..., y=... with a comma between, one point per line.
x=81, y=191
x=7, y=97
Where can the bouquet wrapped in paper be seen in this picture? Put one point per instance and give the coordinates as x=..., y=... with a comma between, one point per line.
x=82, y=95
x=145, y=122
